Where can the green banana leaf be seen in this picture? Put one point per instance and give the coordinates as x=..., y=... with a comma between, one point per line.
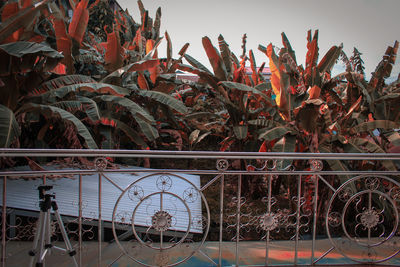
x=372, y=148
x=196, y=63
x=148, y=130
x=50, y=111
x=66, y=80
x=372, y=125
x=285, y=144
x=131, y=106
x=225, y=54
x=9, y=127
x=335, y=165
x=102, y=88
x=90, y=107
x=240, y=131
x=165, y=99
x=275, y=133
x=243, y=87
x=330, y=58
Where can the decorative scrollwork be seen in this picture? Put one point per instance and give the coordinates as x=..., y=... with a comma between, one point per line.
x=369, y=218
x=269, y=221
x=372, y=183
x=190, y=195
x=164, y=183
x=222, y=164
x=364, y=212
x=157, y=214
x=100, y=163
x=334, y=219
x=161, y=221
x=346, y=194
x=316, y=165
x=135, y=193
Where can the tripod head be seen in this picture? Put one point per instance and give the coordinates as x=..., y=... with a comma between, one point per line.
x=42, y=191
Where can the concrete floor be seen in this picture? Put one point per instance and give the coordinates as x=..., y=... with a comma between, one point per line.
x=251, y=254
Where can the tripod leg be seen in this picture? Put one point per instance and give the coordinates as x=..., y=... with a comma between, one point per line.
x=38, y=234
x=70, y=249
x=43, y=250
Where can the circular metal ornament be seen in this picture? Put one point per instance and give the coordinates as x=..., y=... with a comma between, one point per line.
x=316, y=165
x=269, y=221
x=152, y=209
x=190, y=195
x=334, y=219
x=135, y=193
x=222, y=164
x=164, y=183
x=161, y=221
x=100, y=163
x=369, y=218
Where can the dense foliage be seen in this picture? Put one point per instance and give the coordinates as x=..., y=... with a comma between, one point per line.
x=95, y=81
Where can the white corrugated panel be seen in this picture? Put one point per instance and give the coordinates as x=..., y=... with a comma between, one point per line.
x=180, y=198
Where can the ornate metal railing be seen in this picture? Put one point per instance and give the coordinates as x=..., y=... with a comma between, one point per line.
x=203, y=208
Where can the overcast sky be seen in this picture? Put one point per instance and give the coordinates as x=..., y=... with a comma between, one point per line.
x=368, y=25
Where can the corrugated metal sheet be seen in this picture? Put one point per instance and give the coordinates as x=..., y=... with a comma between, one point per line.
x=23, y=194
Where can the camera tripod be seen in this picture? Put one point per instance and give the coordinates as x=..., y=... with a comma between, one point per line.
x=42, y=242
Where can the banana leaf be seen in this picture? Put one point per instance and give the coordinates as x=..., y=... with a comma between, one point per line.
x=335, y=165
x=225, y=54
x=165, y=99
x=240, y=131
x=215, y=59
x=66, y=80
x=131, y=106
x=243, y=87
x=377, y=124
x=330, y=58
x=394, y=138
x=275, y=133
x=363, y=144
x=262, y=123
x=148, y=130
x=101, y=88
x=196, y=64
x=202, y=115
x=128, y=131
x=51, y=112
x=287, y=46
x=21, y=19
x=79, y=22
x=9, y=128
x=285, y=144
x=90, y=107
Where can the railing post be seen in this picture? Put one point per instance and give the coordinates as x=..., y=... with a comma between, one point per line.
x=80, y=220
x=221, y=218
x=99, y=230
x=3, y=224
x=239, y=193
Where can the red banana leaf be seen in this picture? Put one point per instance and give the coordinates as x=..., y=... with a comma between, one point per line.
x=79, y=22
x=113, y=57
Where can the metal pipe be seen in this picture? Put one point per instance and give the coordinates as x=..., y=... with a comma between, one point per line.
x=3, y=224
x=99, y=230
x=80, y=220
x=205, y=172
x=315, y=218
x=221, y=218
x=238, y=218
x=11, y=152
x=269, y=212
x=296, y=245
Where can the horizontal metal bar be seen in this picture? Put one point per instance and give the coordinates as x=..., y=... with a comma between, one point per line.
x=10, y=152
x=211, y=172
